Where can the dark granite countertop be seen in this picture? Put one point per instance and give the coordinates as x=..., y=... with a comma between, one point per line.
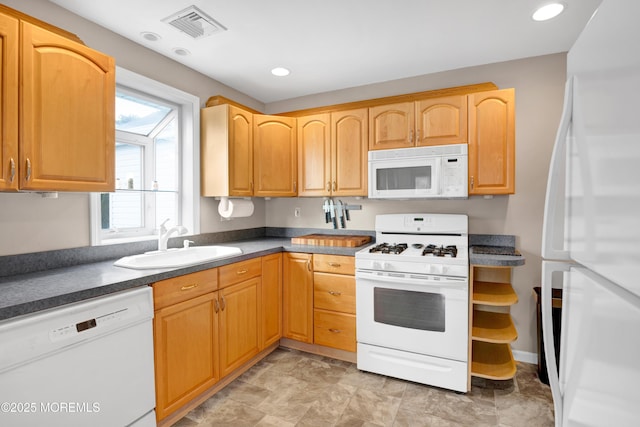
x=504, y=251
x=25, y=293
x=31, y=292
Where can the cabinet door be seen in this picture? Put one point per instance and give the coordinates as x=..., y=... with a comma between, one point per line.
x=297, y=310
x=492, y=142
x=186, y=356
x=275, y=156
x=314, y=155
x=67, y=93
x=442, y=121
x=239, y=327
x=391, y=126
x=8, y=103
x=271, y=299
x=240, y=152
x=349, y=142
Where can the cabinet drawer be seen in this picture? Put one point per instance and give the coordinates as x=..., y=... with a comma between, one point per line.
x=334, y=264
x=178, y=289
x=240, y=271
x=337, y=330
x=334, y=292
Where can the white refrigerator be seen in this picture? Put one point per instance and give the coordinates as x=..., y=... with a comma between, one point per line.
x=591, y=237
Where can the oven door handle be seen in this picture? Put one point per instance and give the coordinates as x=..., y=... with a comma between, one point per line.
x=400, y=278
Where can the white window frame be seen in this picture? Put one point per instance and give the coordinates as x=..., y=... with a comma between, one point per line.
x=190, y=156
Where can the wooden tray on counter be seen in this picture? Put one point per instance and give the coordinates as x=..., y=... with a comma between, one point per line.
x=347, y=241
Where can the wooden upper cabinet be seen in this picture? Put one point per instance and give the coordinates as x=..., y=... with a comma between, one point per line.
x=67, y=127
x=333, y=154
x=314, y=155
x=275, y=166
x=441, y=121
x=492, y=142
x=226, y=151
x=391, y=126
x=9, y=37
x=349, y=141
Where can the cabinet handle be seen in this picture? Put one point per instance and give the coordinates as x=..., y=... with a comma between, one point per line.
x=216, y=305
x=410, y=141
x=472, y=182
x=335, y=293
x=224, y=303
x=240, y=272
x=187, y=287
x=335, y=331
x=309, y=265
x=28, y=177
x=251, y=184
x=334, y=186
x=335, y=264
x=417, y=136
x=295, y=187
x=328, y=185
x=12, y=169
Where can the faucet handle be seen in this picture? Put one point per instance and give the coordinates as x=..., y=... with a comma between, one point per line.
x=163, y=229
x=186, y=242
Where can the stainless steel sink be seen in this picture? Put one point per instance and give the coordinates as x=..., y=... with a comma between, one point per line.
x=174, y=258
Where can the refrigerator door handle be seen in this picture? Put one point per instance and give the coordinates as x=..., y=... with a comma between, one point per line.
x=548, y=268
x=553, y=223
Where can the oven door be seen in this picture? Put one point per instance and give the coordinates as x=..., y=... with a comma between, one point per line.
x=417, y=313
x=404, y=178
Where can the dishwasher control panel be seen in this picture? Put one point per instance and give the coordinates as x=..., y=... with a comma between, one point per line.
x=74, y=329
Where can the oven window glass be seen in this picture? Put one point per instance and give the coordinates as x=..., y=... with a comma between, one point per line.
x=409, y=309
x=405, y=178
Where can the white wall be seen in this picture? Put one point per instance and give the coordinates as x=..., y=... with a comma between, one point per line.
x=29, y=223
x=539, y=90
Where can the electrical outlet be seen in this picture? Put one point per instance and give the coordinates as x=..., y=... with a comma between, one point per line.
x=296, y=212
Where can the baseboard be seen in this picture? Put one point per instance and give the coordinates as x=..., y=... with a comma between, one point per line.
x=525, y=356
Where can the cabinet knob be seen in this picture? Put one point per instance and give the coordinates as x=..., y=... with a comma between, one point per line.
x=12, y=169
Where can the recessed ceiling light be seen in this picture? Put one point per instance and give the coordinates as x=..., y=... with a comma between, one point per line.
x=181, y=51
x=149, y=36
x=280, y=72
x=548, y=11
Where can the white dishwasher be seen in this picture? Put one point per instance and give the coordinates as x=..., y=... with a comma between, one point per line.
x=83, y=364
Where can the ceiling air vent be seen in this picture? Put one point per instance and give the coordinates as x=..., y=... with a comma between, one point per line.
x=194, y=22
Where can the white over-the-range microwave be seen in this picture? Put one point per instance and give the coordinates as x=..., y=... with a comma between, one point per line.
x=421, y=172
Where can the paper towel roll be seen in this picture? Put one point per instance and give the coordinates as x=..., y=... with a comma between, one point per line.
x=236, y=208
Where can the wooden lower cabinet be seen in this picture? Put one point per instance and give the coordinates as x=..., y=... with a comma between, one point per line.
x=240, y=310
x=186, y=351
x=297, y=293
x=271, y=299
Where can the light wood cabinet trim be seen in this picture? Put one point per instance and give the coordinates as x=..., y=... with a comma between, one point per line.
x=339, y=264
x=493, y=327
x=492, y=361
x=9, y=37
x=493, y=293
x=239, y=272
x=333, y=329
x=334, y=292
x=172, y=291
x=185, y=337
x=27, y=18
x=221, y=100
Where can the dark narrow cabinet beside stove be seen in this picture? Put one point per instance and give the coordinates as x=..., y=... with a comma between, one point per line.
x=492, y=329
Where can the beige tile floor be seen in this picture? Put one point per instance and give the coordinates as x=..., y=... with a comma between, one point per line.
x=292, y=388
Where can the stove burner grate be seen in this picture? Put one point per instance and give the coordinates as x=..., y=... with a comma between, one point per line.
x=386, y=248
x=441, y=251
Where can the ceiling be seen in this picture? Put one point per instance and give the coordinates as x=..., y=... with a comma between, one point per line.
x=335, y=44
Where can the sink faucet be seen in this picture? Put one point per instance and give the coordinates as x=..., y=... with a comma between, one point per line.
x=164, y=235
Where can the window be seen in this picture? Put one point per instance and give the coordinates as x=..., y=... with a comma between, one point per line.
x=156, y=163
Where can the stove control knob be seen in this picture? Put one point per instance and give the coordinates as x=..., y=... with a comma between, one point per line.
x=386, y=266
x=437, y=269
x=376, y=265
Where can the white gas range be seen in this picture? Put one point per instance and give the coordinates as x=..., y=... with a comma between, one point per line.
x=412, y=300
